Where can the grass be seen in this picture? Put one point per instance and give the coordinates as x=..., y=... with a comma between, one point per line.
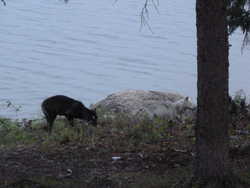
x=118, y=133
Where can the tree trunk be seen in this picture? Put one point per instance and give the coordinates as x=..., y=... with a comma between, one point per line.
x=212, y=139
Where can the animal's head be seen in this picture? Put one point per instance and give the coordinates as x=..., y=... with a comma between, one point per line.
x=78, y=110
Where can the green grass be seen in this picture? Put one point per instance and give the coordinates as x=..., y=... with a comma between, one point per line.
x=118, y=133
x=11, y=134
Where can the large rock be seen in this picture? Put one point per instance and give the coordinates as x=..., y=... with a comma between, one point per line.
x=150, y=104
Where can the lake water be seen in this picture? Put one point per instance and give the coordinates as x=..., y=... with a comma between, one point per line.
x=90, y=49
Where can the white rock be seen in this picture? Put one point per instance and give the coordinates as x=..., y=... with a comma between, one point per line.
x=141, y=104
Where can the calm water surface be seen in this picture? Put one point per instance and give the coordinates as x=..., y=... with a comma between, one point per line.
x=89, y=49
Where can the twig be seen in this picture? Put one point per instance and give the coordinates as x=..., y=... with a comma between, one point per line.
x=4, y=3
x=145, y=13
x=246, y=41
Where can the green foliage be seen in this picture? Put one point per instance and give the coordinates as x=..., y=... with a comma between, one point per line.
x=128, y=133
x=239, y=97
x=117, y=133
x=12, y=133
x=238, y=16
x=148, y=131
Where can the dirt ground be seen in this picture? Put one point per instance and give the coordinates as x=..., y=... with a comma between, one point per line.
x=79, y=166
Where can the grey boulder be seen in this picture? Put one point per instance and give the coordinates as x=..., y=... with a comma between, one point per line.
x=141, y=104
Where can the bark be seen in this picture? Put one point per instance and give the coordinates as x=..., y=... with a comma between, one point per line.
x=212, y=139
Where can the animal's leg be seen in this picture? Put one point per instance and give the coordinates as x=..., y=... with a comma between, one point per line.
x=50, y=121
x=71, y=120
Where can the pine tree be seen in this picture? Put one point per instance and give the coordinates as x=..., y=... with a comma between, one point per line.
x=238, y=16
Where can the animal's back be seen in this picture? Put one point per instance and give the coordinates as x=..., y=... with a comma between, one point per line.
x=57, y=104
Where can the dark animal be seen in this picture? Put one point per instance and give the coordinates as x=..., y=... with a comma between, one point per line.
x=68, y=107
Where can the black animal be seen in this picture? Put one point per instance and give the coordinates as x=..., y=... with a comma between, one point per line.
x=68, y=107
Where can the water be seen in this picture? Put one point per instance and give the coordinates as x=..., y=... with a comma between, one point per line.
x=90, y=49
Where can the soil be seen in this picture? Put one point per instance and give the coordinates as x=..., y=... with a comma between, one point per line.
x=36, y=166
x=79, y=166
